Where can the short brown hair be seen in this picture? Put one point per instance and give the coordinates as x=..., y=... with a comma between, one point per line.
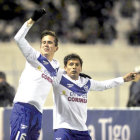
x=51, y=33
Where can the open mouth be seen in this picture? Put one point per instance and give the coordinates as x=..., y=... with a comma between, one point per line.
x=46, y=50
x=74, y=72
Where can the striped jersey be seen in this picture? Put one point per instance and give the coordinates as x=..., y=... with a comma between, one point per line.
x=35, y=81
x=71, y=97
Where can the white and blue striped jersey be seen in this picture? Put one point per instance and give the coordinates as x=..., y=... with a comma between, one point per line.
x=35, y=81
x=70, y=99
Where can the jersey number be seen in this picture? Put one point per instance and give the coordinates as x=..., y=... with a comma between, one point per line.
x=22, y=136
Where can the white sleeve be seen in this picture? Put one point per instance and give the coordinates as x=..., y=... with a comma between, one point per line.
x=56, y=80
x=107, y=84
x=29, y=52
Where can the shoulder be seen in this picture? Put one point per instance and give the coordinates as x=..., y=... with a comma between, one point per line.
x=84, y=80
x=84, y=77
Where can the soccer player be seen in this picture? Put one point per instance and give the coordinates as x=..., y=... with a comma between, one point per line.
x=34, y=83
x=70, y=98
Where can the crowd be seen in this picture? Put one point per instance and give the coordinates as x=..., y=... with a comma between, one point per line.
x=81, y=21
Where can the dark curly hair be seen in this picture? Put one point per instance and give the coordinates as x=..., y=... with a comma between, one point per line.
x=72, y=56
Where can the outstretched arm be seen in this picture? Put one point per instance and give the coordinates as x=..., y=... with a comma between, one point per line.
x=107, y=84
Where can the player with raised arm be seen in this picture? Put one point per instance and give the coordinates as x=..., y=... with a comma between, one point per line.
x=34, y=83
x=70, y=98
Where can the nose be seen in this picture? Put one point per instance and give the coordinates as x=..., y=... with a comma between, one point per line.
x=74, y=66
x=46, y=45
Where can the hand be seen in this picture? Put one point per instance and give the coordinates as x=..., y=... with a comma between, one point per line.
x=38, y=14
x=130, y=76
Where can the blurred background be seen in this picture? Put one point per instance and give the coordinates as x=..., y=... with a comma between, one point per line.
x=104, y=33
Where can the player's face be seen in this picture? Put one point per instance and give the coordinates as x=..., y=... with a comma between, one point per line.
x=73, y=68
x=48, y=47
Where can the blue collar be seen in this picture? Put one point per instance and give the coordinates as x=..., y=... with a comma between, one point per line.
x=47, y=65
x=73, y=87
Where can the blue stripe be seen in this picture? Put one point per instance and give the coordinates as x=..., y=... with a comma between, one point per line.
x=47, y=65
x=73, y=87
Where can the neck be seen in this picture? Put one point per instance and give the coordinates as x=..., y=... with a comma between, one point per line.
x=74, y=77
x=49, y=57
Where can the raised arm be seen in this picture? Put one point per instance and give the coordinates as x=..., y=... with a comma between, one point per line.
x=23, y=44
x=25, y=28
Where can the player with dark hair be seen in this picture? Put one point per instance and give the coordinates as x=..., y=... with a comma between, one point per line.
x=70, y=98
x=34, y=84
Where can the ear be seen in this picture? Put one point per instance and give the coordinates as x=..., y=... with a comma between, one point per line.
x=56, y=48
x=65, y=68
